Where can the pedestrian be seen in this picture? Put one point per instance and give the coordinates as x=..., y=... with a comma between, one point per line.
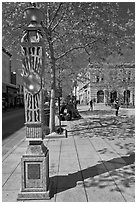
x=91, y=105
x=116, y=106
x=94, y=101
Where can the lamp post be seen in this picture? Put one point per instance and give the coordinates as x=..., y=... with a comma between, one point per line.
x=75, y=89
x=35, y=163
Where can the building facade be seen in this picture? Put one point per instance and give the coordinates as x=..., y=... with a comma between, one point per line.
x=9, y=90
x=105, y=84
x=11, y=86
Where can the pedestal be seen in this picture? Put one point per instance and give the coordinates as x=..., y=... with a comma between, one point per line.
x=35, y=184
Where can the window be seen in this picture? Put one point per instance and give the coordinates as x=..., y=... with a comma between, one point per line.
x=129, y=76
x=97, y=79
x=102, y=78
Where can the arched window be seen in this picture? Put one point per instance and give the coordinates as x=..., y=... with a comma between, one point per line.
x=127, y=97
x=113, y=96
x=100, y=96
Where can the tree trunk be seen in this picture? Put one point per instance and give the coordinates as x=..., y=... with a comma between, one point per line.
x=53, y=88
x=52, y=111
x=52, y=99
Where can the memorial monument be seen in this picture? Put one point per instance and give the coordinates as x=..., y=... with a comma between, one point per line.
x=35, y=162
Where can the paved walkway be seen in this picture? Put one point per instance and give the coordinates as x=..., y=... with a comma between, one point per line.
x=88, y=166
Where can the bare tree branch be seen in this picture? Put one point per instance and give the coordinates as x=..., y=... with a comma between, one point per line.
x=44, y=28
x=55, y=15
x=75, y=48
x=58, y=38
x=88, y=54
x=48, y=15
x=59, y=21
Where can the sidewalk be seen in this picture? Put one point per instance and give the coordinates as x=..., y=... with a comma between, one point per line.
x=85, y=167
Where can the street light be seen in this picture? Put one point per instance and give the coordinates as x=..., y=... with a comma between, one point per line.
x=35, y=163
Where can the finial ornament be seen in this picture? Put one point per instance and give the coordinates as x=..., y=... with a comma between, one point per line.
x=33, y=4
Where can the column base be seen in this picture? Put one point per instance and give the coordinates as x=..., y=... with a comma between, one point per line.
x=56, y=135
x=35, y=182
x=33, y=196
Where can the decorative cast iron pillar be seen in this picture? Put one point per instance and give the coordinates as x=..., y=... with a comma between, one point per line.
x=35, y=163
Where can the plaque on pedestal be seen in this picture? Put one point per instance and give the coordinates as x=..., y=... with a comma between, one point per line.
x=35, y=173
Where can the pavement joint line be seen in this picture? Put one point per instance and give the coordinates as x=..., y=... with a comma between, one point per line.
x=108, y=170
x=12, y=150
x=80, y=168
x=112, y=147
x=15, y=146
x=11, y=174
x=58, y=169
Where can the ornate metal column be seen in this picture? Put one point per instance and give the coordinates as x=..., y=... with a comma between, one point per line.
x=35, y=163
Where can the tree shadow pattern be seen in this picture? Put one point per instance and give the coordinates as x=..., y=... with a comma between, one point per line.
x=101, y=175
x=120, y=170
x=121, y=129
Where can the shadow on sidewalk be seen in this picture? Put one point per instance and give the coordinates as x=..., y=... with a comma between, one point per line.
x=124, y=176
x=98, y=112
x=92, y=125
x=109, y=128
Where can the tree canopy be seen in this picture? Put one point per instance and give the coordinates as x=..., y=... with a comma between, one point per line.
x=97, y=26
x=71, y=29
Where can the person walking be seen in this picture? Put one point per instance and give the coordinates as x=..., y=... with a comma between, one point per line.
x=117, y=106
x=91, y=105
